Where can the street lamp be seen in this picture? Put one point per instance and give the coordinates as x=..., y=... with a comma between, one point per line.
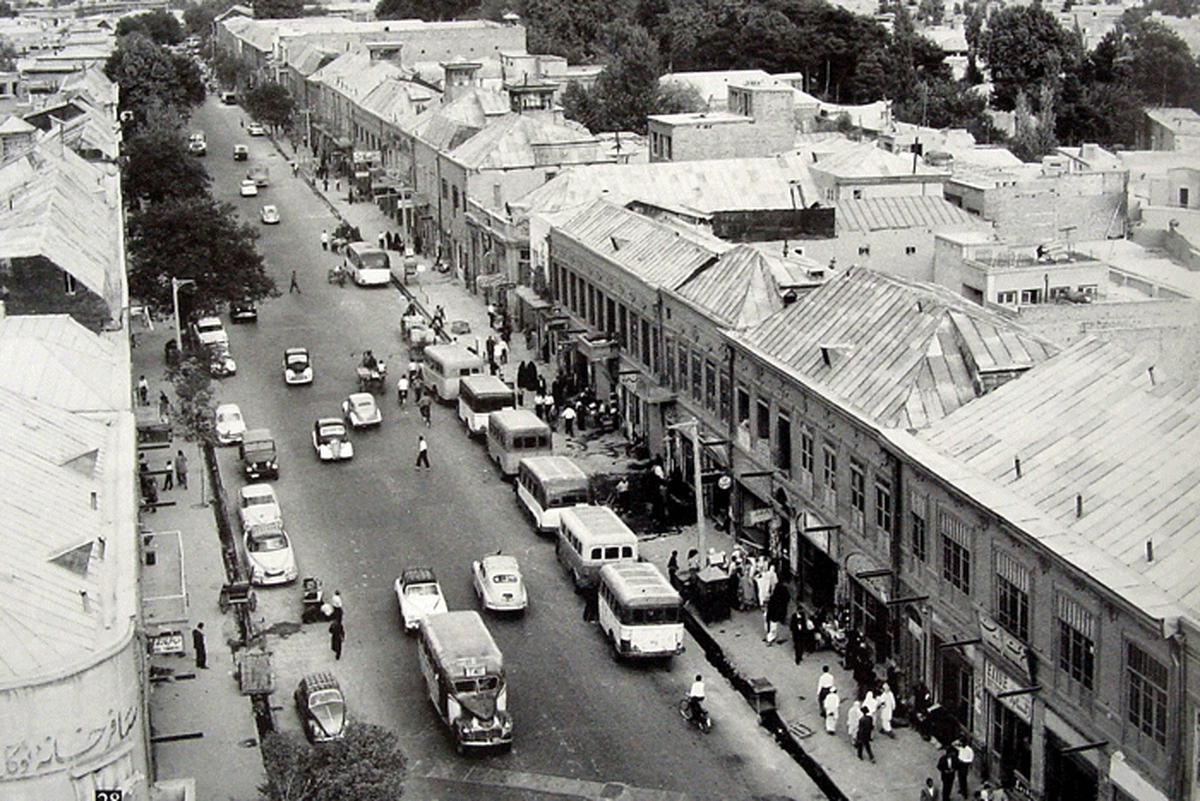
x=175, y=284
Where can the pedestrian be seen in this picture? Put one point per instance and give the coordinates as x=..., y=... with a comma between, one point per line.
x=591, y=605
x=985, y=792
x=181, y=465
x=502, y=351
x=777, y=607
x=412, y=369
x=402, y=389
x=337, y=635
x=928, y=792
x=169, y=480
x=853, y=715
x=198, y=646
x=295, y=285
x=491, y=312
x=337, y=185
x=886, y=708
x=425, y=403
x=824, y=685
x=324, y=239
x=673, y=566
x=335, y=605
x=797, y=631
x=568, y=418
x=829, y=707
x=947, y=768
x=150, y=490
x=164, y=406
x=963, y=758
x=383, y=243
x=326, y=182
x=862, y=739
x=143, y=391
x=422, y=452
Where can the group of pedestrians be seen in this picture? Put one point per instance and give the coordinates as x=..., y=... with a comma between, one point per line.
x=869, y=709
x=175, y=473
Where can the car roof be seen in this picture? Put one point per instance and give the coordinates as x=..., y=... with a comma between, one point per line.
x=361, y=397
x=295, y=351
x=229, y=407
x=498, y=562
x=208, y=320
x=269, y=206
x=417, y=575
x=320, y=680
x=331, y=421
x=257, y=489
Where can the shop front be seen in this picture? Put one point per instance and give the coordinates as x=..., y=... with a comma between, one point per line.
x=1009, y=707
x=816, y=568
x=592, y=359
x=643, y=407
x=869, y=593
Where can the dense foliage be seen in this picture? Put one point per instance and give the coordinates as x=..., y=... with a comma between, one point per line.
x=151, y=77
x=365, y=766
x=270, y=103
x=162, y=27
x=157, y=165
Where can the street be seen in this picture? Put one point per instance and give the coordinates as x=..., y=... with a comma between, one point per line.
x=356, y=524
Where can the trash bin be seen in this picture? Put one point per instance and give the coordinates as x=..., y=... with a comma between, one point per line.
x=713, y=589
x=762, y=695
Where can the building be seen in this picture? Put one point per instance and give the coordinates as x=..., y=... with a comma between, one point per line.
x=760, y=122
x=1170, y=129
x=863, y=171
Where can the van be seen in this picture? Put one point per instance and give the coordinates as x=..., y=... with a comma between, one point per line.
x=257, y=454
x=229, y=98
x=513, y=434
x=590, y=537
x=546, y=485
x=367, y=265
x=479, y=396
x=445, y=365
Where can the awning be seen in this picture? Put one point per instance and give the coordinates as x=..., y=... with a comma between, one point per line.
x=1130, y=781
x=646, y=389
x=492, y=281
x=858, y=564
x=531, y=298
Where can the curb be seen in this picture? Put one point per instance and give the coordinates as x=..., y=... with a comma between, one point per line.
x=769, y=719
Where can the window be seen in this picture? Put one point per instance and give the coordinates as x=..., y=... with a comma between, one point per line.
x=1076, y=642
x=669, y=361
x=783, y=442
x=622, y=327
x=956, y=551
x=806, y=450
x=70, y=286
x=919, y=527
x=710, y=386
x=883, y=505
x=858, y=194
x=723, y=399
x=1006, y=298
x=910, y=250
x=445, y=190
x=763, y=428
x=829, y=467
x=697, y=377
x=633, y=335
x=1012, y=596
x=454, y=192
x=858, y=485
x=646, y=344
x=1029, y=296
x=683, y=368
x=1147, y=686
x=743, y=407
x=864, y=250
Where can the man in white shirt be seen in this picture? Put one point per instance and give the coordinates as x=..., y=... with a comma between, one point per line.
x=696, y=697
x=824, y=685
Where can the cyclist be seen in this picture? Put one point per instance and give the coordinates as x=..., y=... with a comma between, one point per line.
x=696, y=698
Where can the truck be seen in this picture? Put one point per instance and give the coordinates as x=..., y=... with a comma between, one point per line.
x=259, y=175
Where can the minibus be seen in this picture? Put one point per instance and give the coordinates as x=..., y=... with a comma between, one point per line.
x=590, y=537
x=367, y=265
x=479, y=396
x=513, y=434
x=547, y=484
x=444, y=365
x=464, y=675
x=640, y=613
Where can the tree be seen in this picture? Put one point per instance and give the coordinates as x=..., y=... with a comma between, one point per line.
x=278, y=9
x=949, y=104
x=161, y=26
x=149, y=76
x=364, y=766
x=8, y=56
x=156, y=163
x=931, y=12
x=232, y=70
x=428, y=10
x=198, y=17
x=627, y=91
x=574, y=29
x=271, y=103
x=195, y=238
x=6, y=9
x=1161, y=68
x=194, y=407
x=679, y=98
x=1035, y=135
x=1025, y=46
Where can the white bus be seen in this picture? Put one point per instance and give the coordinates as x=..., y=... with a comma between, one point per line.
x=547, y=484
x=367, y=265
x=464, y=675
x=445, y=365
x=640, y=613
x=479, y=396
x=514, y=434
x=590, y=537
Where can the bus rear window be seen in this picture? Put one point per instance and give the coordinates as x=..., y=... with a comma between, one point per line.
x=481, y=685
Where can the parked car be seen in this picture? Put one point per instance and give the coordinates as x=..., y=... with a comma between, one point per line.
x=230, y=424
x=321, y=707
x=419, y=595
x=257, y=505
x=243, y=311
x=331, y=440
x=249, y=188
x=257, y=455
x=270, y=215
x=240, y=152
x=269, y=552
x=297, y=366
x=256, y=129
x=209, y=331
x=361, y=410
x=197, y=145
x=498, y=583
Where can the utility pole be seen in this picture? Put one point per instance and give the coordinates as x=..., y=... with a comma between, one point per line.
x=175, y=284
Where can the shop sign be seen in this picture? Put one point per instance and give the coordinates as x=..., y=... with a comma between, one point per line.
x=1003, y=643
x=167, y=642
x=755, y=517
x=996, y=681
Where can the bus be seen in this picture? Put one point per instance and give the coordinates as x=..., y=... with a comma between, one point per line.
x=367, y=265
x=514, y=434
x=464, y=675
x=590, y=537
x=479, y=396
x=547, y=484
x=444, y=365
x=640, y=613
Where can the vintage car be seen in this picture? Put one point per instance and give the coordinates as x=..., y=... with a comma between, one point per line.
x=220, y=361
x=208, y=331
x=419, y=596
x=256, y=129
x=257, y=505
x=270, y=215
x=230, y=424
x=297, y=366
x=243, y=311
x=321, y=707
x=361, y=410
x=331, y=440
x=269, y=552
x=498, y=583
x=249, y=188
x=240, y=152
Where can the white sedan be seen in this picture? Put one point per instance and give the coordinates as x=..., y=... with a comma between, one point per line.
x=498, y=583
x=257, y=505
x=256, y=129
x=361, y=410
x=331, y=440
x=269, y=552
x=419, y=596
x=270, y=215
x=297, y=366
x=249, y=188
x=230, y=424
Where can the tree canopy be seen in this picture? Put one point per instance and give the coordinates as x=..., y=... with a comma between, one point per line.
x=160, y=26
x=1025, y=46
x=366, y=765
x=152, y=77
x=428, y=10
x=270, y=103
x=278, y=9
x=157, y=163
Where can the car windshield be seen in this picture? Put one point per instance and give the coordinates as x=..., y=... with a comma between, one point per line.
x=505, y=578
x=297, y=360
x=421, y=589
x=331, y=431
x=229, y=417
x=267, y=542
x=258, y=500
x=208, y=327
x=327, y=699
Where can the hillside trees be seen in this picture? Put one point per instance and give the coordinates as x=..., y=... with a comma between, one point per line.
x=150, y=77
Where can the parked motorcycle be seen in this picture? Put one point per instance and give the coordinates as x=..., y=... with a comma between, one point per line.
x=703, y=722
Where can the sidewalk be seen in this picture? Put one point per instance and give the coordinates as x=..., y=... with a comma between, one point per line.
x=901, y=765
x=199, y=718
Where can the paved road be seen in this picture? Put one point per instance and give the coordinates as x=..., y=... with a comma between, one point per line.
x=578, y=715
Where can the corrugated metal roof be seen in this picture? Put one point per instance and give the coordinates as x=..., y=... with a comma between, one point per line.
x=521, y=141
x=870, y=161
x=899, y=351
x=657, y=254
x=1091, y=422
x=56, y=361
x=739, y=290
x=886, y=213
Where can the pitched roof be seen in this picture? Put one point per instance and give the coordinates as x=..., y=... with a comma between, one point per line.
x=901, y=352
x=54, y=360
x=520, y=140
x=739, y=290
x=887, y=213
x=658, y=255
x=1092, y=422
x=869, y=161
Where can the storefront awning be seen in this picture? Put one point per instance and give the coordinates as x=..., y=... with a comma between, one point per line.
x=492, y=281
x=871, y=574
x=531, y=299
